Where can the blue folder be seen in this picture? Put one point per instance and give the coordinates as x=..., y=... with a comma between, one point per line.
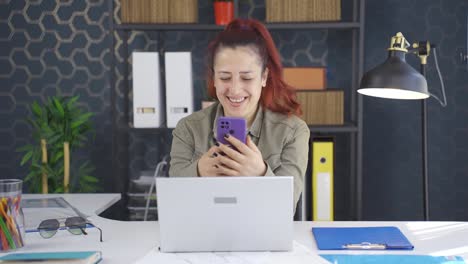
x=391, y=259
x=373, y=238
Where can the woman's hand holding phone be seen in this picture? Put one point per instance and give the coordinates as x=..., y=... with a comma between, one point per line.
x=207, y=164
x=234, y=154
x=244, y=160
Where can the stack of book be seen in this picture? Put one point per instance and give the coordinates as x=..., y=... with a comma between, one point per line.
x=320, y=106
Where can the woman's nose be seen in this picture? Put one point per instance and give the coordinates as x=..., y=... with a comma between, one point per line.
x=235, y=86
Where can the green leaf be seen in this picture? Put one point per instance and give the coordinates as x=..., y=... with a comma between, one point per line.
x=30, y=176
x=24, y=148
x=36, y=156
x=84, y=165
x=72, y=101
x=53, y=139
x=59, y=107
x=26, y=157
x=57, y=155
x=85, y=115
x=33, y=123
x=82, y=120
x=36, y=109
x=88, y=178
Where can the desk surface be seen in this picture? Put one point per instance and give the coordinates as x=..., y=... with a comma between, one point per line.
x=126, y=242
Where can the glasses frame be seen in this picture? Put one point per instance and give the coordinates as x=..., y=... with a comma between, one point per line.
x=66, y=223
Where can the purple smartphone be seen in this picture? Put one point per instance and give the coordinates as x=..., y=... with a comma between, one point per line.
x=235, y=126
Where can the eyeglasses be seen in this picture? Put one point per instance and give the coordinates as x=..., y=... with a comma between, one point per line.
x=75, y=225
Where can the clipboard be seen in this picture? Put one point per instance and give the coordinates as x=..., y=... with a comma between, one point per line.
x=361, y=238
x=391, y=259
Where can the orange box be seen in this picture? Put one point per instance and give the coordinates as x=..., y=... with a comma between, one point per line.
x=307, y=78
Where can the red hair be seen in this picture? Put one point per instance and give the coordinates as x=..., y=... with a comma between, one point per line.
x=277, y=96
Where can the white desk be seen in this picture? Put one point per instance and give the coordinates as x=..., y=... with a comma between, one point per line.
x=126, y=242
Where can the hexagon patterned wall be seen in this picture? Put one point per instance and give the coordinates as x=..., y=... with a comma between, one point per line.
x=49, y=47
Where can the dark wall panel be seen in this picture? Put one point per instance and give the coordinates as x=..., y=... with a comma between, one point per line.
x=392, y=129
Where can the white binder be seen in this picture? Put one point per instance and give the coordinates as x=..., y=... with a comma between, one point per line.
x=146, y=90
x=179, y=86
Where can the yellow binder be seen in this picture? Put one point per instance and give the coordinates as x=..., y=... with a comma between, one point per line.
x=322, y=179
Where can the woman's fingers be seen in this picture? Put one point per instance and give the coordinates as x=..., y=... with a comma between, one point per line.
x=252, y=145
x=237, y=144
x=226, y=161
x=228, y=151
x=225, y=171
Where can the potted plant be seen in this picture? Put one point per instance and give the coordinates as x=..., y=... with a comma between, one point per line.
x=59, y=128
x=223, y=11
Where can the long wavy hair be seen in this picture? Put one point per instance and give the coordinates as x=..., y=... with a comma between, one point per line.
x=277, y=96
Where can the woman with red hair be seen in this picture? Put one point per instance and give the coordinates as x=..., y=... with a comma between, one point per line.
x=245, y=75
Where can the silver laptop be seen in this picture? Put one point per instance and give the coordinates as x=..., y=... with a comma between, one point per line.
x=225, y=213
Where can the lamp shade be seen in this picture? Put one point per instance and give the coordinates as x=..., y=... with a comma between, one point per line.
x=394, y=79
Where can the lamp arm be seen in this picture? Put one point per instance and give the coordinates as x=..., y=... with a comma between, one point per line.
x=422, y=50
x=442, y=86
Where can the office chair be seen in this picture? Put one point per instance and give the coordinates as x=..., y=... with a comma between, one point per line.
x=298, y=214
x=160, y=171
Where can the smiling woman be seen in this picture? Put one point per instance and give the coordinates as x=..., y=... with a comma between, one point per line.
x=245, y=75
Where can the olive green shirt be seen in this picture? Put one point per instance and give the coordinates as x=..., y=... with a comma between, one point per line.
x=282, y=140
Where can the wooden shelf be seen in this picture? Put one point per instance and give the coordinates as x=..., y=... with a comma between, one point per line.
x=168, y=27
x=209, y=27
x=146, y=129
x=314, y=25
x=346, y=128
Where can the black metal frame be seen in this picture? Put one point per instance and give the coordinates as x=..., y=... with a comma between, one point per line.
x=425, y=180
x=120, y=145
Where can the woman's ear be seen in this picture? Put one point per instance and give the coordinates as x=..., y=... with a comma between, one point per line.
x=265, y=77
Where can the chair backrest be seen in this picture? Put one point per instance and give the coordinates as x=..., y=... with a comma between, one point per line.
x=298, y=214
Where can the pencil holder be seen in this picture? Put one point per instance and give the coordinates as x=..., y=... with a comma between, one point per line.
x=11, y=215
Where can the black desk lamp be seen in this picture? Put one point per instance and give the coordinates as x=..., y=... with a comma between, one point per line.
x=396, y=79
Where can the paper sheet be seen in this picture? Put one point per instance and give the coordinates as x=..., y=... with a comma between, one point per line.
x=299, y=255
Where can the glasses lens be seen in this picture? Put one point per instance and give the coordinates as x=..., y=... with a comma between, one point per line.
x=48, y=228
x=76, y=225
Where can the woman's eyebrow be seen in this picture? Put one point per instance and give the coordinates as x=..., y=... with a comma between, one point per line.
x=227, y=72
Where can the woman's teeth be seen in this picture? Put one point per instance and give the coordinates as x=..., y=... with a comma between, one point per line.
x=236, y=100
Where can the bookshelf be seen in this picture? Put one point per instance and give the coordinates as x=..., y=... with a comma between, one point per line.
x=352, y=128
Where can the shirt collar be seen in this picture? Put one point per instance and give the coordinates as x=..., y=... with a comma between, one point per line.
x=257, y=123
